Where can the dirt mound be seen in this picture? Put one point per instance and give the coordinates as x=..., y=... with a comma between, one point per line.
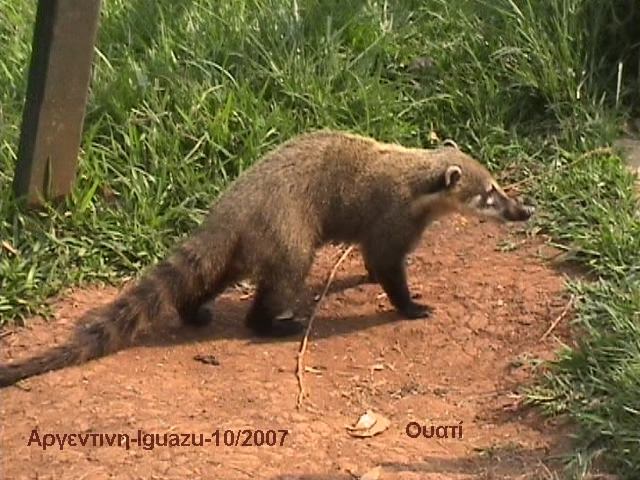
x=493, y=296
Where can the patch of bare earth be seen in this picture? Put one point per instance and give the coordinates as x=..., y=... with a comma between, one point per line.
x=493, y=295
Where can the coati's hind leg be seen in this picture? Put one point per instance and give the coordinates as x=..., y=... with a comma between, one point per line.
x=196, y=314
x=370, y=276
x=270, y=314
x=385, y=262
x=270, y=302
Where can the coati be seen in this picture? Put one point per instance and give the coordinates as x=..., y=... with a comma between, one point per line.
x=319, y=187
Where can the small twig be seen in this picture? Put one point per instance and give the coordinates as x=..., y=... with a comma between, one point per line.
x=558, y=319
x=6, y=333
x=305, y=339
x=619, y=84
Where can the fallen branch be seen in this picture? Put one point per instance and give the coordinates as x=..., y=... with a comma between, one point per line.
x=305, y=339
x=555, y=323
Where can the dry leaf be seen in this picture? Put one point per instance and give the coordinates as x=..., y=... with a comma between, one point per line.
x=369, y=424
x=373, y=474
x=366, y=421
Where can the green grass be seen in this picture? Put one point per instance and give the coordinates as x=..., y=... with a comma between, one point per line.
x=185, y=96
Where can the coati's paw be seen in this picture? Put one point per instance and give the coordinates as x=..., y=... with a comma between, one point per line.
x=278, y=328
x=416, y=310
x=286, y=328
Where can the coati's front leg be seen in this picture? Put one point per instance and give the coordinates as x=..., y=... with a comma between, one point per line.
x=387, y=267
x=393, y=279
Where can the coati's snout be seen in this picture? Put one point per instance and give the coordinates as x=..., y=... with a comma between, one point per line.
x=480, y=193
x=516, y=211
x=494, y=202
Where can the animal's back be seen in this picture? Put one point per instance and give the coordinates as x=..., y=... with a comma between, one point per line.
x=331, y=182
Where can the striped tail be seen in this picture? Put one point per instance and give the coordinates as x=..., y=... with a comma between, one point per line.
x=169, y=289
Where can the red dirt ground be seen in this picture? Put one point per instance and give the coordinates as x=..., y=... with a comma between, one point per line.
x=494, y=296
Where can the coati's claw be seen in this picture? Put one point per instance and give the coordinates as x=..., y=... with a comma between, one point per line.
x=416, y=310
x=286, y=315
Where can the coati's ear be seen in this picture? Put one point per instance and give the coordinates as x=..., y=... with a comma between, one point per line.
x=452, y=175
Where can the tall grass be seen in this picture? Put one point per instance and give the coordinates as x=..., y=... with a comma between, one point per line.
x=185, y=95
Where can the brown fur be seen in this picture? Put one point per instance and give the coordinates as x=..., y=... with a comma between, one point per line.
x=316, y=188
